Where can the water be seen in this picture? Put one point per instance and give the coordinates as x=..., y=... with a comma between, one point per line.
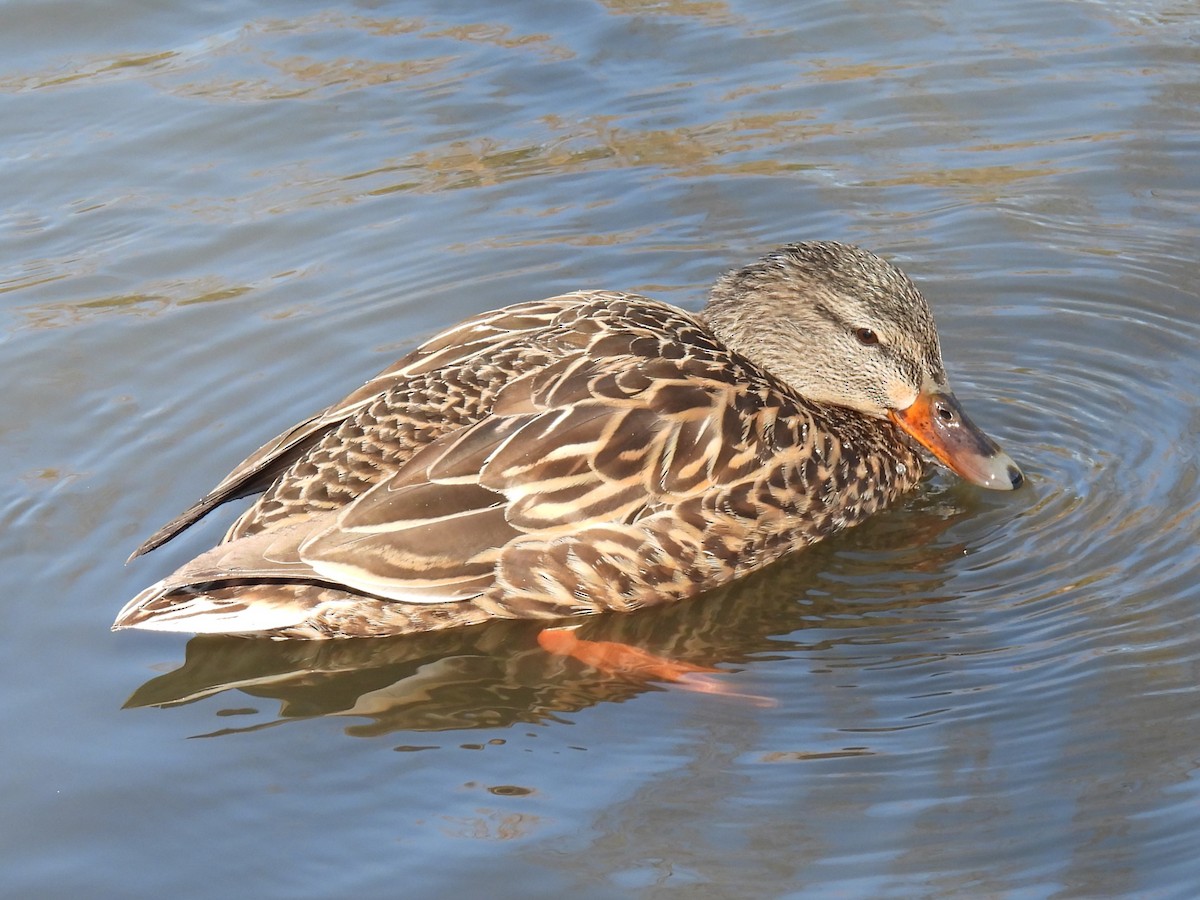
x=219, y=217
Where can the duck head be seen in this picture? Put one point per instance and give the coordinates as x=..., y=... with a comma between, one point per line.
x=841, y=326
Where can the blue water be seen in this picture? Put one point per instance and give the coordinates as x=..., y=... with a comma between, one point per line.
x=219, y=217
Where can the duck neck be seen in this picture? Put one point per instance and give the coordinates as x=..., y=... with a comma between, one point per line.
x=854, y=464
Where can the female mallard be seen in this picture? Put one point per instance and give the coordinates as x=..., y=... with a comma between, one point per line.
x=591, y=452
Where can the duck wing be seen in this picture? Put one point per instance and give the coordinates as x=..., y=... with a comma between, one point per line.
x=632, y=425
x=481, y=335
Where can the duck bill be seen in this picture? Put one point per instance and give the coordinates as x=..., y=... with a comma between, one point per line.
x=936, y=421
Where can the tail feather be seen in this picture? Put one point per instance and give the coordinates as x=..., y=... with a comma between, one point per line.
x=289, y=610
x=241, y=610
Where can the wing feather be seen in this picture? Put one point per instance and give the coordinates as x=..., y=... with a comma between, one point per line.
x=438, y=527
x=621, y=427
x=482, y=334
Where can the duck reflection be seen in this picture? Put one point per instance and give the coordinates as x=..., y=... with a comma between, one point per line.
x=500, y=673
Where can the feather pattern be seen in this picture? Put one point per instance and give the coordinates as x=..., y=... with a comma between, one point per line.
x=593, y=452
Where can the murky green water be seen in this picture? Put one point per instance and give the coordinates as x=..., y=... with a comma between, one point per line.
x=218, y=217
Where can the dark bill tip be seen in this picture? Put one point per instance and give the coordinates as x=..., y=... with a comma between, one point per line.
x=937, y=422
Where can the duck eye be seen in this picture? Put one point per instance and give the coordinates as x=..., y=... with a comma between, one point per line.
x=866, y=336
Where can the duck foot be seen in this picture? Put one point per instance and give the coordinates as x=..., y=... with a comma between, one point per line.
x=636, y=664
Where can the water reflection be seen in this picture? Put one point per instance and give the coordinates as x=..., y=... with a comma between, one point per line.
x=496, y=675
x=976, y=695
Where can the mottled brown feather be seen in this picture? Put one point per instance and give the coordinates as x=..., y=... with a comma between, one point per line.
x=587, y=453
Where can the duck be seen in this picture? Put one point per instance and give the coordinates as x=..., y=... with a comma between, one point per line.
x=594, y=452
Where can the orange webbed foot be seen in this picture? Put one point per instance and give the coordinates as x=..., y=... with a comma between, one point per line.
x=636, y=664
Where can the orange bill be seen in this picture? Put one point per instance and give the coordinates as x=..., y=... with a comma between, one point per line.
x=936, y=421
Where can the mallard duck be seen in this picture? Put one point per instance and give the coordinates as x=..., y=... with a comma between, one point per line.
x=592, y=452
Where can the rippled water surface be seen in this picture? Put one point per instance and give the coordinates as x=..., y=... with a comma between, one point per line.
x=218, y=217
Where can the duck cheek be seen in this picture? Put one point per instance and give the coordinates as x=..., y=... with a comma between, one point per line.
x=937, y=422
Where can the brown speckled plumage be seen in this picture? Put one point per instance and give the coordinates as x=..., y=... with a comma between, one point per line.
x=592, y=452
